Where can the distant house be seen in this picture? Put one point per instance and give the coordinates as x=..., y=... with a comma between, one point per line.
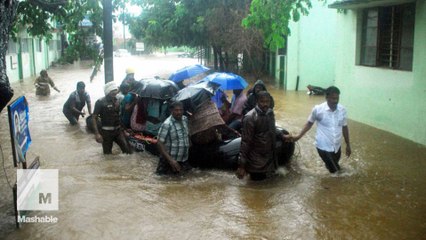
x=311, y=55
x=374, y=51
x=381, y=64
x=28, y=55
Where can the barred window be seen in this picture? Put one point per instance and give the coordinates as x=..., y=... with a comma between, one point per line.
x=58, y=45
x=38, y=45
x=54, y=45
x=388, y=36
x=11, y=47
x=25, y=45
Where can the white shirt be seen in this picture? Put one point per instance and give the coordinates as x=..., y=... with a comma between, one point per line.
x=329, y=126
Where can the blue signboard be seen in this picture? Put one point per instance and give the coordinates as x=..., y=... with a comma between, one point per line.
x=19, y=131
x=86, y=22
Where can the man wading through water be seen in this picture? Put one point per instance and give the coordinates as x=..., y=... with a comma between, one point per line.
x=331, y=118
x=73, y=107
x=257, y=157
x=173, y=142
x=107, y=108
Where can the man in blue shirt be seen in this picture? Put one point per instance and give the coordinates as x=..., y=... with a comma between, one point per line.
x=127, y=104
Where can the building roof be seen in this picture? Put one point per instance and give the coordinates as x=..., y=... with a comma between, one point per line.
x=354, y=4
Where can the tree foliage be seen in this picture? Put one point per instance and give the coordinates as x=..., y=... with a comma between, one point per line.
x=165, y=23
x=7, y=14
x=197, y=23
x=228, y=26
x=272, y=17
x=41, y=17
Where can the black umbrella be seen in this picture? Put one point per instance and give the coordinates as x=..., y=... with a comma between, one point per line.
x=157, y=89
x=195, y=94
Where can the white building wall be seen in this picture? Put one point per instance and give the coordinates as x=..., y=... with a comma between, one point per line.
x=311, y=48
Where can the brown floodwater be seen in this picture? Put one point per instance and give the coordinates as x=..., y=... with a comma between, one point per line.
x=380, y=193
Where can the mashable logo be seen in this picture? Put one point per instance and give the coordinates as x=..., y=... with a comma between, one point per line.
x=37, y=189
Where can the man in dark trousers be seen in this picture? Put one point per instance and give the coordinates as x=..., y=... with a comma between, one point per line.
x=107, y=108
x=73, y=107
x=258, y=138
x=331, y=118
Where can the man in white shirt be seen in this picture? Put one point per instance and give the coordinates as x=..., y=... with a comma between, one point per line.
x=331, y=121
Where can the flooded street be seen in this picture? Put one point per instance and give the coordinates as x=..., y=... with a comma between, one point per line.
x=380, y=194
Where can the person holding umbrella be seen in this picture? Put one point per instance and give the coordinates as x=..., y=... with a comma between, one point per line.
x=222, y=104
x=237, y=104
x=230, y=81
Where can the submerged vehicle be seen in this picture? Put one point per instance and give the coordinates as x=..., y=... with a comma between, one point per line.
x=218, y=155
x=206, y=152
x=225, y=154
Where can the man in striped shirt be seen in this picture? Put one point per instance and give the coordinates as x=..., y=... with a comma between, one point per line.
x=173, y=142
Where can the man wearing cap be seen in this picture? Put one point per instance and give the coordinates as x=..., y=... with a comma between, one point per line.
x=130, y=76
x=107, y=108
x=73, y=107
x=130, y=80
x=130, y=73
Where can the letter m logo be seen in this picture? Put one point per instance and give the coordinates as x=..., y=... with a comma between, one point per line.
x=42, y=199
x=37, y=190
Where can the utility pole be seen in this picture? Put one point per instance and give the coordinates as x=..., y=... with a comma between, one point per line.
x=124, y=27
x=108, y=59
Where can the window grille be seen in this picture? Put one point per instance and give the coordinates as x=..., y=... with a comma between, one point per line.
x=388, y=37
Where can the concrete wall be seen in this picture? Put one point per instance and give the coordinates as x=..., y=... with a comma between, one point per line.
x=26, y=64
x=54, y=54
x=12, y=67
x=39, y=61
x=32, y=62
x=391, y=100
x=311, y=48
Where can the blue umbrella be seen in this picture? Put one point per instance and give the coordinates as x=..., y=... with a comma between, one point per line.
x=188, y=72
x=227, y=81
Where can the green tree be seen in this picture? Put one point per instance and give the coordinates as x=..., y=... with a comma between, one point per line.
x=7, y=15
x=197, y=23
x=39, y=18
x=272, y=17
x=166, y=23
x=228, y=26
